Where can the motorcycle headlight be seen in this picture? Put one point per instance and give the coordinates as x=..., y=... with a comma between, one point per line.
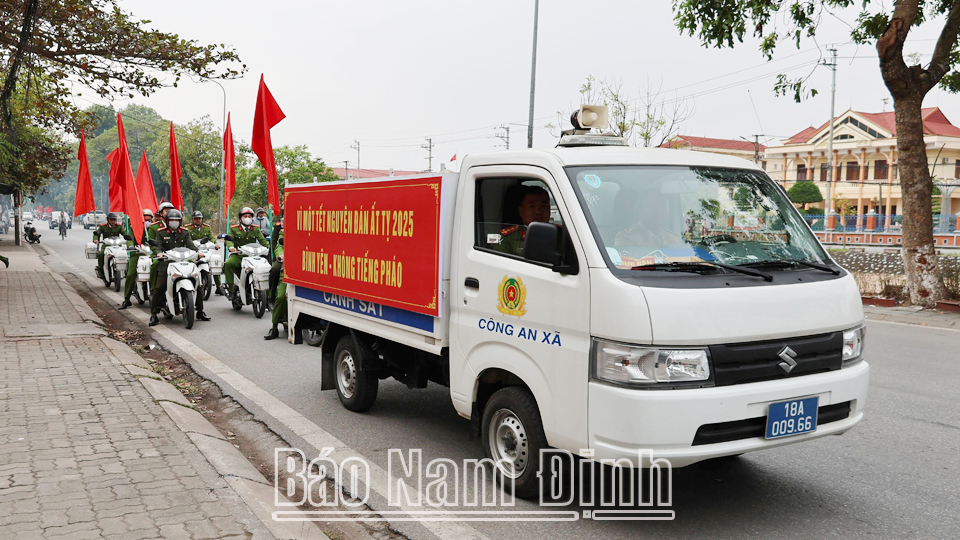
x=852, y=350
x=644, y=366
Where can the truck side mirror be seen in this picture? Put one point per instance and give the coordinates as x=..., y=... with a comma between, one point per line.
x=540, y=244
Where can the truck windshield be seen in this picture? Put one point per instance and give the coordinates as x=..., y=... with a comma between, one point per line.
x=649, y=215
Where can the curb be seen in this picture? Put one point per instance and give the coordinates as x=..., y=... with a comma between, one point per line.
x=260, y=496
x=924, y=318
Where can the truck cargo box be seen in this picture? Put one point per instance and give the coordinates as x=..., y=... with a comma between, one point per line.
x=374, y=254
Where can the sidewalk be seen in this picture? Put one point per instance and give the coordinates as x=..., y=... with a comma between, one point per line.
x=92, y=446
x=914, y=316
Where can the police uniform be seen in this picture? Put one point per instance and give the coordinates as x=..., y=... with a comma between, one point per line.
x=511, y=240
x=166, y=240
x=105, y=231
x=242, y=235
x=280, y=304
x=131, y=280
x=201, y=232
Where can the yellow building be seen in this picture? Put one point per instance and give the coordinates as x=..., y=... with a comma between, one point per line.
x=865, y=157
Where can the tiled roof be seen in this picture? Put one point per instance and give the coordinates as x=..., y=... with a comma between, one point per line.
x=934, y=123
x=371, y=173
x=683, y=141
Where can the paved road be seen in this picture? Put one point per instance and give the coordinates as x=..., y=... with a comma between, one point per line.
x=895, y=476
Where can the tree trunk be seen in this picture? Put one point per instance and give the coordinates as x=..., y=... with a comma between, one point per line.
x=17, y=202
x=919, y=253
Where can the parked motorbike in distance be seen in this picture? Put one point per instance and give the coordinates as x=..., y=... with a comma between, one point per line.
x=255, y=277
x=211, y=264
x=182, y=279
x=30, y=233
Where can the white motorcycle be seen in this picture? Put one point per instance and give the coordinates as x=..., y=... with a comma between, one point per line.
x=114, y=261
x=142, y=288
x=182, y=279
x=255, y=276
x=211, y=264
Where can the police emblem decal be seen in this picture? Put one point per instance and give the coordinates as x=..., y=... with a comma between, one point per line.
x=512, y=297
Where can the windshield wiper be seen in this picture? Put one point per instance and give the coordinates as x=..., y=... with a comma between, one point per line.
x=794, y=262
x=693, y=266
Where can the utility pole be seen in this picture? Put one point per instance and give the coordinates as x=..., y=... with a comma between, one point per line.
x=357, y=148
x=533, y=73
x=346, y=170
x=832, y=64
x=505, y=137
x=429, y=148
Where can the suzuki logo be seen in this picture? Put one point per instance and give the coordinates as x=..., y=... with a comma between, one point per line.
x=787, y=355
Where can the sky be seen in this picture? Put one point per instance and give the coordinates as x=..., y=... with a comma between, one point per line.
x=390, y=74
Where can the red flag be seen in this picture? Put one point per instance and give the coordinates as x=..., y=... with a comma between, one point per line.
x=127, y=182
x=267, y=115
x=229, y=167
x=83, y=203
x=148, y=196
x=454, y=158
x=114, y=190
x=175, y=172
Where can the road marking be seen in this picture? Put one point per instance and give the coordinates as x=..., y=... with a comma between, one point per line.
x=296, y=422
x=913, y=325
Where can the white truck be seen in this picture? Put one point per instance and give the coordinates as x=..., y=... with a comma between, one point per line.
x=595, y=298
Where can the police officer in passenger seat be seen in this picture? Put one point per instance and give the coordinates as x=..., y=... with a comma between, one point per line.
x=244, y=233
x=169, y=237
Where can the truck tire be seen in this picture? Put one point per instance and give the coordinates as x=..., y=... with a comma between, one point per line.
x=512, y=436
x=312, y=337
x=357, y=389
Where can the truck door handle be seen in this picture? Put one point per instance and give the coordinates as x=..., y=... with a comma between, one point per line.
x=472, y=283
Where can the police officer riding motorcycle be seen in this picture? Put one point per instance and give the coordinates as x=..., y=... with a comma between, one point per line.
x=167, y=238
x=110, y=229
x=244, y=233
x=131, y=280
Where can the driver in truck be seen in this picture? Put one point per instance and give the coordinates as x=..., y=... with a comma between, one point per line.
x=534, y=207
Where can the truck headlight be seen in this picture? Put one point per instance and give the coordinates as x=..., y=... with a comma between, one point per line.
x=852, y=351
x=633, y=365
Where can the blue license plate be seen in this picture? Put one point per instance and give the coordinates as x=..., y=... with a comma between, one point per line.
x=792, y=417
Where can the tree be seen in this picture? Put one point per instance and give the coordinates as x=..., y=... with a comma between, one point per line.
x=721, y=23
x=650, y=125
x=294, y=165
x=804, y=193
x=46, y=48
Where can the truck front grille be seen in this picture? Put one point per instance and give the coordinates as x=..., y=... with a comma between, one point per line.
x=741, y=363
x=756, y=427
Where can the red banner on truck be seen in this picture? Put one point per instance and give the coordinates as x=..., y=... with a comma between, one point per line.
x=377, y=241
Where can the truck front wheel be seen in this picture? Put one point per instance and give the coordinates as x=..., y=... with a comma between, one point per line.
x=357, y=389
x=513, y=436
